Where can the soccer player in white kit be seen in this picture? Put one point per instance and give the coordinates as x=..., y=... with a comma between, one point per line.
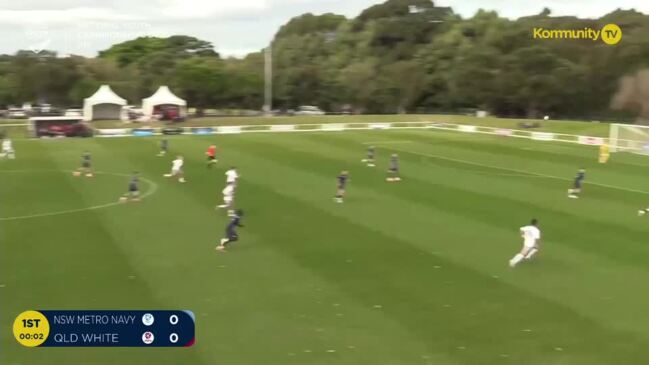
x=531, y=237
x=228, y=197
x=177, y=169
x=7, y=149
x=231, y=176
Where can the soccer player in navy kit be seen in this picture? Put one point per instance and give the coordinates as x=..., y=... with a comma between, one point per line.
x=576, y=189
x=231, y=230
x=371, y=150
x=164, y=147
x=133, y=189
x=342, y=184
x=85, y=165
x=393, y=170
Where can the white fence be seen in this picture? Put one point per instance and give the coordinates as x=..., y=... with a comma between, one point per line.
x=337, y=127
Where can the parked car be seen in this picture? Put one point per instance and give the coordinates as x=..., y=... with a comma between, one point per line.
x=16, y=113
x=309, y=110
x=42, y=109
x=73, y=113
x=65, y=130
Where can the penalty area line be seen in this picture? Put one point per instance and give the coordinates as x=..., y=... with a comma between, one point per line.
x=530, y=173
x=153, y=187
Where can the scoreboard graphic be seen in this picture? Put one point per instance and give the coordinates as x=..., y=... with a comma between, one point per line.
x=105, y=328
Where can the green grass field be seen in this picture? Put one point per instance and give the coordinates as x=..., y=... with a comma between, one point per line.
x=402, y=273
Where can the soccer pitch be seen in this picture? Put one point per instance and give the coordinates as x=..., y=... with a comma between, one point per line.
x=414, y=272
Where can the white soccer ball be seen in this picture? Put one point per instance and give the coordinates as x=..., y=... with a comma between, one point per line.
x=546, y=118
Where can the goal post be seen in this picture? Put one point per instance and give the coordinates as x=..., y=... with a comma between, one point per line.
x=629, y=138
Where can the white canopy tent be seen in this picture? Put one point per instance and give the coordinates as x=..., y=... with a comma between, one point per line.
x=163, y=96
x=103, y=104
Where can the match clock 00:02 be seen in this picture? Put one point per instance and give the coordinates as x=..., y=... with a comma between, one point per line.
x=31, y=328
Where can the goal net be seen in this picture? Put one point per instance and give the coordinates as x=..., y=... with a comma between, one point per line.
x=629, y=138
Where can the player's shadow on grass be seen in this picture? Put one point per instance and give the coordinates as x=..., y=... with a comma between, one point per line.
x=545, y=262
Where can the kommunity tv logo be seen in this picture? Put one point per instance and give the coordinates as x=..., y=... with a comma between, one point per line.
x=610, y=33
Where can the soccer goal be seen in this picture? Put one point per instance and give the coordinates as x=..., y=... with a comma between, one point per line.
x=629, y=138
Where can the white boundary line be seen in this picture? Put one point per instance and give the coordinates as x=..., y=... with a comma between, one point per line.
x=153, y=187
x=512, y=174
x=347, y=126
x=403, y=141
x=516, y=170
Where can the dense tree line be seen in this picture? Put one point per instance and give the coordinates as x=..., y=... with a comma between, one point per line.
x=135, y=69
x=409, y=56
x=399, y=56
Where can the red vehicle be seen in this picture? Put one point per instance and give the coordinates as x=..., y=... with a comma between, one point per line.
x=64, y=130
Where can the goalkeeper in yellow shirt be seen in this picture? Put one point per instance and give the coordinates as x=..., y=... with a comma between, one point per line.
x=604, y=153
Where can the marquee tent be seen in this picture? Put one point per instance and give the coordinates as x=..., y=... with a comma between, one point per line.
x=163, y=96
x=103, y=104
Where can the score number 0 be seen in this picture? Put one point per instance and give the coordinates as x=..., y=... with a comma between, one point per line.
x=173, y=319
